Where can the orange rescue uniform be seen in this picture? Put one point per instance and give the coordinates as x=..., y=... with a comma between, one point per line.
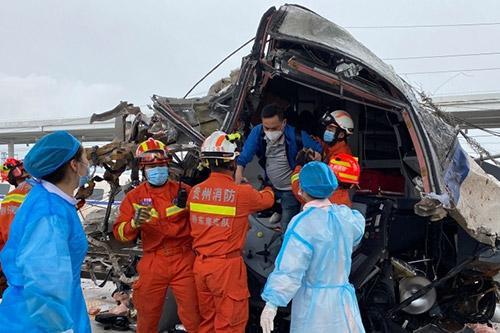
x=10, y=204
x=168, y=257
x=340, y=196
x=219, y=210
x=330, y=151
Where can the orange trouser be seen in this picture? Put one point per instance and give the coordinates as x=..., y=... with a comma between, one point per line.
x=222, y=294
x=158, y=271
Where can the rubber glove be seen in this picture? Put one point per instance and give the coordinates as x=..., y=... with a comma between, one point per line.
x=267, y=318
x=306, y=155
x=141, y=216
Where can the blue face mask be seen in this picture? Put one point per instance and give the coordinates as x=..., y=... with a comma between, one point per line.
x=157, y=176
x=85, y=178
x=328, y=136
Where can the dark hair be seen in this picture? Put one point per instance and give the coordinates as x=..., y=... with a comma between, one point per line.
x=58, y=175
x=272, y=110
x=217, y=164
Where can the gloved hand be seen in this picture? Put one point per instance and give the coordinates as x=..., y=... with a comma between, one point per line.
x=306, y=155
x=141, y=216
x=267, y=318
x=238, y=176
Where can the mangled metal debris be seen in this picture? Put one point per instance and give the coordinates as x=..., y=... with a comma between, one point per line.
x=432, y=213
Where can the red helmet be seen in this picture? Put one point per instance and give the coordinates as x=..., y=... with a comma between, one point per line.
x=346, y=168
x=12, y=170
x=152, y=152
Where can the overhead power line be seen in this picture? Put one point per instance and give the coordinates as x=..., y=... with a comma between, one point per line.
x=217, y=66
x=444, y=56
x=424, y=26
x=455, y=71
x=467, y=92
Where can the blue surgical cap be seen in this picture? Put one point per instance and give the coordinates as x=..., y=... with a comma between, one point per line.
x=317, y=180
x=50, y=153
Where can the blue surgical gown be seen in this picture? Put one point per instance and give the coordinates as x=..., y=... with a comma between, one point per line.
x=313, y=268
x=42, y=261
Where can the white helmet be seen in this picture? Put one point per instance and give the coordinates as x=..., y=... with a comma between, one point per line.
x=218, y=146
x=340, y=118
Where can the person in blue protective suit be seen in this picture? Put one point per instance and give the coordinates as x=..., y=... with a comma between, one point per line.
x=314, y=262
x=47, y=244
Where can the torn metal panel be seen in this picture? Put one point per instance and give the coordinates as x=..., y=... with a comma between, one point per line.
x=179, y=121
x=430, y=128
x=122, y=109
x=300, y=24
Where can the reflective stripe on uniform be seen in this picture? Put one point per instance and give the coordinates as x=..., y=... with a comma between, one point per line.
x=121, y=230
x=212, y=209
x=341, y=163
x=345, y=175
x=174, y=210
x=16, y=198
x=154, y=213
x=295, y=177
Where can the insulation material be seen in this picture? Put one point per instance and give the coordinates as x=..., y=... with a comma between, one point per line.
x=478, y=206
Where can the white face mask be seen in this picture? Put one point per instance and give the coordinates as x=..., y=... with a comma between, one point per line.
x=273, y=135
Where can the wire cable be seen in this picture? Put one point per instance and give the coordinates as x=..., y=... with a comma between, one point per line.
x=458, y=93
x=455, y=70
x=217, y=66
x=444, y=56
x=424, y=26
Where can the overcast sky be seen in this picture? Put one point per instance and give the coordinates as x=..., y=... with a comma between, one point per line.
x=72, y=58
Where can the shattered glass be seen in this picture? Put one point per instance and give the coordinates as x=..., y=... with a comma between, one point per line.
x=441, y=134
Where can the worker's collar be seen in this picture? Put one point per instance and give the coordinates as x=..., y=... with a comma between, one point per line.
x=318, y=203
x=57, y=191
x=221, y=175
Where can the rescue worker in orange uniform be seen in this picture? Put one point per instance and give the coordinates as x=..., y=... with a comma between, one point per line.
x=346, y=169
x=152, y=210
x=219, y=210
x=338, y=126
x=13, y=172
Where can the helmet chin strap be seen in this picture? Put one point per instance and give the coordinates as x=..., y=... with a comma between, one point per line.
x=336, y=138
x=13, y=180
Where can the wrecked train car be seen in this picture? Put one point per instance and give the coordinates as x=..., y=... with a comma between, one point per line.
x=429, y=253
